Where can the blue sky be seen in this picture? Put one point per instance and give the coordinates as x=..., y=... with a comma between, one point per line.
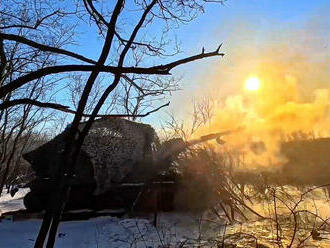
x=262, y=14
x=238, y=24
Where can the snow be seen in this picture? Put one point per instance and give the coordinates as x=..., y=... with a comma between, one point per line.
x=172, y=229
x=104, y=232
x=9, y=203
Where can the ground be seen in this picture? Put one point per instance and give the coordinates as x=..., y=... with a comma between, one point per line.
x=172, y=229
x=9, y=203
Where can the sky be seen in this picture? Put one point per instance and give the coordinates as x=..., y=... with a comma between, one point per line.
x=251, y=25
x=284, y=44
x=244, y=25
x=254, y=33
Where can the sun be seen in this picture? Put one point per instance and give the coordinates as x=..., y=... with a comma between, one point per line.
x=252, y=83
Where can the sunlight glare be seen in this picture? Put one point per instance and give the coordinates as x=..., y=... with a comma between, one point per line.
x=252, y=84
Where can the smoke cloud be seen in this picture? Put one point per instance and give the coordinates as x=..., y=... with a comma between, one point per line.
x=294, y=94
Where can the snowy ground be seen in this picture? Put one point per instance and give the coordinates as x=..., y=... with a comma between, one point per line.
x=8, y=203
x=106, y=232
x=172, y=229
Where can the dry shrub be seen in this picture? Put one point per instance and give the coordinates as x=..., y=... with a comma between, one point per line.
x=203, y=174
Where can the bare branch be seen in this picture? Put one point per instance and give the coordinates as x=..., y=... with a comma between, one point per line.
x=150, y=47
x=11, y=103
x=157, y=70
x=99, y=19
x=66, y=109
x=166, y=68
x=36, y=25
x=124, y=115
x=3, y=60
x=134, y=33
x=45, y=48
x=133, y=83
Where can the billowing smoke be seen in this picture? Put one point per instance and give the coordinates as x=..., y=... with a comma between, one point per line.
x=293, y=97
x=269, y=116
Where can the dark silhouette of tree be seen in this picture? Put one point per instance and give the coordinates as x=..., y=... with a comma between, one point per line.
x=20, y=109
x=127, y=56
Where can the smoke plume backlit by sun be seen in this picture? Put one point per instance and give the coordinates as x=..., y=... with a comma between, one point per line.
x=279, y=111
x=275, y=85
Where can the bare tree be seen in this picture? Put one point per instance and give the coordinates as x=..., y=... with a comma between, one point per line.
x=123, y=43
x=19, y=116
x=201, y=115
